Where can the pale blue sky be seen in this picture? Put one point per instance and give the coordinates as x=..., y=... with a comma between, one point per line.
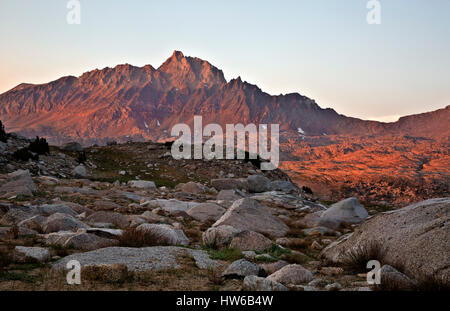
x=323, y=49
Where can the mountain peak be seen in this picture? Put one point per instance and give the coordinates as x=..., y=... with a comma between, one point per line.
x=176, y=59
x=178, y=55
x=192, y=72
x=174, y=62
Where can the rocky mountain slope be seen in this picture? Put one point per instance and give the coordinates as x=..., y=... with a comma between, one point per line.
x=384, y=170
x=337, y=156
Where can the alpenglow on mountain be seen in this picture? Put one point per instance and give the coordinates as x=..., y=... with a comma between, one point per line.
x=144, y=103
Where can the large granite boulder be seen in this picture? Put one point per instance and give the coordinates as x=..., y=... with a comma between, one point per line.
x=206, y=211
x=142, y=184
x=79, y=171
x=242, y=268
x=18, y=183
x=166, y=234
x=282, y=185
x=104, y=205
x=230, y=195
x=230, y=183
x=26, y=254
x=192, y=187
x=248, y=214
x=16, y=214
x=141, y=259
x=392, y=279
x=170, y=206
x=62, y=222
x=35, y=223
x=88, y=241
x=49, y=209
x=258, y=183
x=219, y=236
x=417, y=237
x=291, y=274
x=114, y=218
x=250, y=240
x=348, y=211
x=256, y=283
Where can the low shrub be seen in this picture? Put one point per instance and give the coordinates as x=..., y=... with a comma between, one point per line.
x=5, y=257
x=307, y=190
x=24, y=154
x=168, y=144
x=81, y=157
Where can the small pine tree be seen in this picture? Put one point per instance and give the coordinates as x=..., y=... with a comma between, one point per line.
x=307, y=190
x=39, y=146
x=3, y=135
x=81, y=157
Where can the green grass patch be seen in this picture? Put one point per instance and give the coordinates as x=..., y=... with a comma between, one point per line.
x=17, y=276
x=225, y=254
x=264, y=258
x=295, y=258
x=277, y=251
x=25, y=266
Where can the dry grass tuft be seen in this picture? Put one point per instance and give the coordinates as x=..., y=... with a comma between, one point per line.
x=431, y=284
x=358, y=258
x=132, y=237
x=194, y=235
x=422, y=284
x=215, y=277
x=295, y=231
x=5, y=257
x=295, y=258
x=298, y=243
x=115, y=273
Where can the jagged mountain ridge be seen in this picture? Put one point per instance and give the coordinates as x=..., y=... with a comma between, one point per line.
x=144, y=102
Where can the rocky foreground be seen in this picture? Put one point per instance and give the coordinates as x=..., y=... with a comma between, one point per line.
x=137, y=219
